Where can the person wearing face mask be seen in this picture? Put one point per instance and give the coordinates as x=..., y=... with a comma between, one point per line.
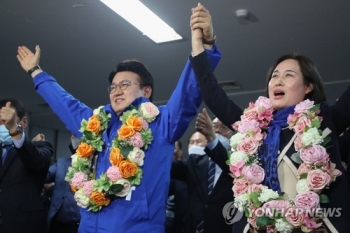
x=290, y=164
x=23, y=168
x=209, y=186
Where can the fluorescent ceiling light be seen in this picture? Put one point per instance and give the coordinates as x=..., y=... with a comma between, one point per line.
x=143, y=19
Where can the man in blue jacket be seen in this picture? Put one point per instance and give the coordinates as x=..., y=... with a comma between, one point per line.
x=64, y=214
x=143, y=208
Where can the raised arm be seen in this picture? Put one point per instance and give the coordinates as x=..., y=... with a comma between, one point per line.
x=185, y=100
x=213, y=95
x=70, y=110
x=214, y=149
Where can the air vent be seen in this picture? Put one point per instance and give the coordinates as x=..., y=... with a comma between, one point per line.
x=229, y=85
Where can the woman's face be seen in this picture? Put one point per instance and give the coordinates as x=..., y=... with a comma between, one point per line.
x=286, y=86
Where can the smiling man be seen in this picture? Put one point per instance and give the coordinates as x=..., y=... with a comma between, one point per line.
x=124, y=184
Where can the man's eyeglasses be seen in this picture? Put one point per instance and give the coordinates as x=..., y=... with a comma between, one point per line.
x=122, y=86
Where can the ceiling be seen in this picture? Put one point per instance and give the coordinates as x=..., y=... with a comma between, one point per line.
x=81, y=42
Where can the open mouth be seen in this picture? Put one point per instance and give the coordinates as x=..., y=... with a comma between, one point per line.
x=278, y=94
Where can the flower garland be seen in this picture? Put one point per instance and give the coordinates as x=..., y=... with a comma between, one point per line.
x=265, y=208
x=126, y=156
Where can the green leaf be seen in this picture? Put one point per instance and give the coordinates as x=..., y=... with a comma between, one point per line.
x=303, y=175
x=254, y=197
x=115, y=188
x=315, y=108
x=315, y=123
x=147, y=136
x=125, y=151
x=296, y=158
x=262, y=221
x=246, y=212
x=136, y=180
x=324, y=198
x=128, y=113
x=325, y=141
x=228, y=162
x=89, y=135
x=97, y=143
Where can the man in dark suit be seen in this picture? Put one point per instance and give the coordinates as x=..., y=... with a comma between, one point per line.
x=64, y=213
x=206, y=199
x=23, y=168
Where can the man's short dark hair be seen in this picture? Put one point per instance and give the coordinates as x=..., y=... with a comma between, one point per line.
x=16, y=104
x=136, y=67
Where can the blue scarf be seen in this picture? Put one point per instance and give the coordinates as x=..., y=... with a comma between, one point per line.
x=268, y=153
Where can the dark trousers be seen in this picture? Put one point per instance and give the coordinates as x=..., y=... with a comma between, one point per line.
x=60, y=227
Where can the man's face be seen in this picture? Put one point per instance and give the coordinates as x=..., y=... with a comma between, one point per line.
x=197, y=139
x=121, y=99
x=220, y=128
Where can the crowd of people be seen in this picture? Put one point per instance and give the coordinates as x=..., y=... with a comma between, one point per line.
x=278, y=161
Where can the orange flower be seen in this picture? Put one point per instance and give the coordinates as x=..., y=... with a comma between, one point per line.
x=115, y=157
x=99, y=198
x=73, y=188
x=94, y=124
x=134, y=122
x=125, y=132
x=84, y=150
x=127, y=169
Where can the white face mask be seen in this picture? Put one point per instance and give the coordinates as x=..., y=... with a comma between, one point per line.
x=5, y=137
x=224, y=141
x=198, y=150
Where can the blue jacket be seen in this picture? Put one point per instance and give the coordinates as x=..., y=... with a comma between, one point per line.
x=146, y=210
x=61, y=191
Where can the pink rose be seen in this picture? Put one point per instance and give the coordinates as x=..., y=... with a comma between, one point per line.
x=300, y=125
x=310, y=224
x=263, y=103
x=294, y=217
x=307, y=200
x=314, y=154
x=254, y=188
x=292, y=118
x=265, y=110
x=265, y=117
x=248, y=145
x=254, y=213
x=240, y=186
x=298, y=144
x=304, y=106
x=235, y=125
x=148, y=111
x=276, y=208
x=237, y=169
x=246, y=126
x=318, y=180
x=113, y=173
x=271, y=229
x=330, y=167
x=250, y=114
x=303, y=168
x=254, y=173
